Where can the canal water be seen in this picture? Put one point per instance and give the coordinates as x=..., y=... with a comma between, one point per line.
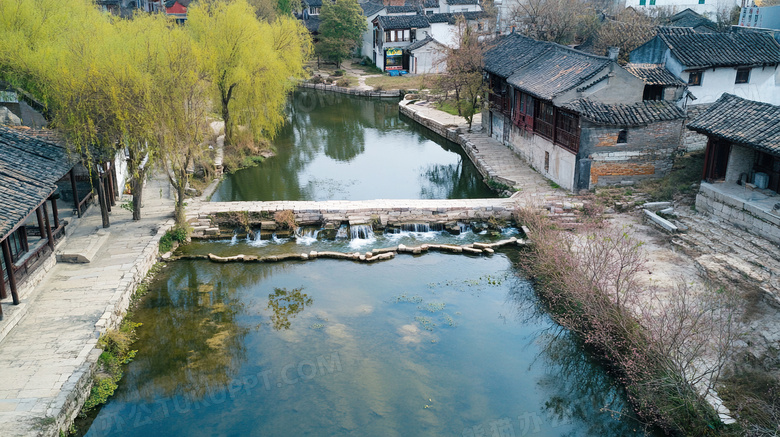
x=434, y=345
x=340, y=147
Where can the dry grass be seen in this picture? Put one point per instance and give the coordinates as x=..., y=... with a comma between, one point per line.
x=400, y=83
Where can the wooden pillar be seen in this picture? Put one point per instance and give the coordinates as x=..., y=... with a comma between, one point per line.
x=41, y=224
x=48, y=226
x=3, y=293
x=54, y=213
x=9, y=267
x=75, y=192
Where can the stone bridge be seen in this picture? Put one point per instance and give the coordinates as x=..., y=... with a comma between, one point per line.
x=207, y=217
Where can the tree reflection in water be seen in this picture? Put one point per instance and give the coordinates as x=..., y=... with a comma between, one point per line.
x=582, y=390
x=286, y=304
x=198, y=342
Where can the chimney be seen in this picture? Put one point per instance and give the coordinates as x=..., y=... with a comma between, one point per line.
x=612, y=53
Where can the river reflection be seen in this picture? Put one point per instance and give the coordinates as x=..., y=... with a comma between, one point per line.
x=433, y=345
x=336, y=146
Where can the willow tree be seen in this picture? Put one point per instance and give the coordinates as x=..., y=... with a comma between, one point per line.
x=249, y=78
x=181, y=97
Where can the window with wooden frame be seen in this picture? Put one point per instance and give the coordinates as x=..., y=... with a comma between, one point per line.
x=17, y=242
x=397, y=35
x=694, y=77
x=567, y=130
x=544, y=119
x=743, y=75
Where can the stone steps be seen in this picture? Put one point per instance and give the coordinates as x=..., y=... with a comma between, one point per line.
x=722, y=250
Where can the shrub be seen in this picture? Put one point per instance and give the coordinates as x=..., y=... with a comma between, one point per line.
x=338, y=73
x=316, y=79
x=178, y=235
x=589, y=283
x=344, y=82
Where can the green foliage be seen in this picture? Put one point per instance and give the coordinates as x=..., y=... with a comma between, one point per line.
x=116, y=353
x=178, y=235
x=448, y=106
x=341, y=28
x=248, y=63
x=101, y=391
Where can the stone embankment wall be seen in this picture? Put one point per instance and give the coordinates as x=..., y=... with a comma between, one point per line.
x=213, y=219
x=739, y=213
x=350, y=91
x=76, y=390
x=454, y=134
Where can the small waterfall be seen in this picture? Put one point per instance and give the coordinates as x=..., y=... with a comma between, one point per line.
x=257, y=241
x=362, y=232
x=306, y=236
x=416, y=227
x=234, y=240
x=360, y=235
x=343, y=232
x=463, y=227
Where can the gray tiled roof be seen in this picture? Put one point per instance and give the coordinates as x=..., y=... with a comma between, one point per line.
x=512, y=52
x=634, y=114
x=723, y=49
x=401, y=9
x=430, y=4
x=452, y=17
x=675, y=30
x=741, y=121
x=462, y=2
x=29, y=169
x=371, y=8
x=689, y=18
x=653, y=74
x=313, y=3
x=422, y=42
x=387, y=22
x=556, y=70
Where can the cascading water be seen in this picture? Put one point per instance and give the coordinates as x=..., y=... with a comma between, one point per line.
x=343, y=232
x=306, y=236
x=234, y=240
x=257, y=241
x=416, y=227
x=360, y=235
x=362, y=232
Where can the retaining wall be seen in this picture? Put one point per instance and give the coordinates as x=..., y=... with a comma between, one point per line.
x=350, y=91
x=739, y=213
x=76, y=390
x=207, y=218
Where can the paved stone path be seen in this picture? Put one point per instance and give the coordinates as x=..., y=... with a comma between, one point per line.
x=47, y=359
x=496, y=159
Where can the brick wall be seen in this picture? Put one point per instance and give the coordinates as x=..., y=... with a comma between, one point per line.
x=648, y=151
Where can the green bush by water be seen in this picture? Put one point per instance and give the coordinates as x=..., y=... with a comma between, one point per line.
x=178, y=235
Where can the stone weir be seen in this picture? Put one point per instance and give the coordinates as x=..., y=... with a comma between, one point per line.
x=223, y=219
